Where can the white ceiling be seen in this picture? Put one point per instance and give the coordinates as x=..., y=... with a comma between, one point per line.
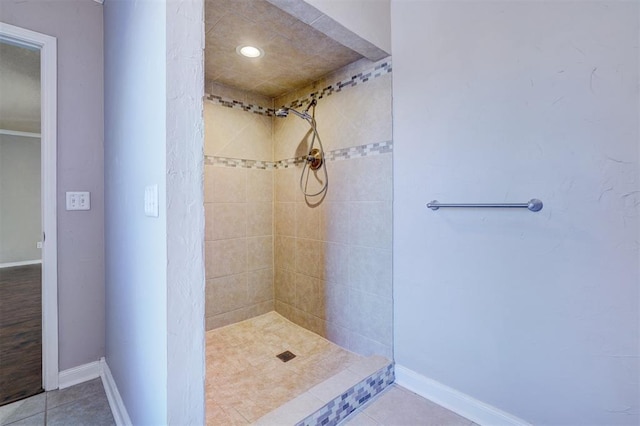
x=19, y=88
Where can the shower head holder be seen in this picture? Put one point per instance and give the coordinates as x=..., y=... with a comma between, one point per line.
x=315, y=159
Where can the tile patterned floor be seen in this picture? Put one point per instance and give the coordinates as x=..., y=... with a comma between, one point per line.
x=245, y=380
x=83, y=404
x=397, y=406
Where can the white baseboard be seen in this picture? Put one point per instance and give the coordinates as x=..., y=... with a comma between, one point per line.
x=116, y=403
x=79, y=374
x=458, y=402
x=23, y=263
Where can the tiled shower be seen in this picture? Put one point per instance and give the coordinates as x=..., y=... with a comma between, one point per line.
x=322, y=262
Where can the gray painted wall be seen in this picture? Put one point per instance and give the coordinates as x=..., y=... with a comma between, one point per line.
x=154, y=266
x=20, y=207
x=533, y=313
x=78, y=27
x=136, y=245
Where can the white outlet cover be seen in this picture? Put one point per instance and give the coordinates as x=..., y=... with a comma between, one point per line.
x=78, y=200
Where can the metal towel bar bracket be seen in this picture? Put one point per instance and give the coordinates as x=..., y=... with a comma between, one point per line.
x=533, y=205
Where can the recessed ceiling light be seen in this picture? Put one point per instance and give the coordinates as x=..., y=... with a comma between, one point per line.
x=250, y=51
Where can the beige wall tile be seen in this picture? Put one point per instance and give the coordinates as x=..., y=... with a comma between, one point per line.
x=285, y=286
x=227, y=318
x=209, y=129
x=370, y=270
x=337, y=309
x=208, y=221
x=370, y=224
x=337, y=334
x=259, y=185
x=229, y=220
x=287, y=185
x=367, y=347
x=309, y=297
x=307, y=221
x=208, y=183
x=309, y=257
x=334, y=221
x=259, y=253
x=260, y=308
x=292, y=137
x=297, y=317
x=285, y=220
x=335, y=267
x=226, y=257
x=211, y=307
x=233, y=133
x=341, y=249
x=209, y=264
x=317, y=325
x=260, y=286
x=229, y=185
x=283, y=309
x=371, y=120
x=285, y=253
x=226, y=294
x=339, y=180
x=371, y=178
x=313, y=184
x=259, y=219
x=372, y=316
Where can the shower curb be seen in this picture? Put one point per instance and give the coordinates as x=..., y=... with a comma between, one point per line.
x=330, y=402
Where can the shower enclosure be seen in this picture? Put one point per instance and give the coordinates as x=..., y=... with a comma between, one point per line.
x=298, y=208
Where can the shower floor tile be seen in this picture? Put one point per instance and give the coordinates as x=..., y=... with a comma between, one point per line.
x=245, y=380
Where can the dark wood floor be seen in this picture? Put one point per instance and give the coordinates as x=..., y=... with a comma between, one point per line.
x=20, y=332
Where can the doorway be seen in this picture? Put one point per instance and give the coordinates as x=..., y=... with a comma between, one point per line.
x=28, y=239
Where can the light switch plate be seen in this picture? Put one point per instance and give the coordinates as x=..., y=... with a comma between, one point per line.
x=78, y=200
x=151, y=201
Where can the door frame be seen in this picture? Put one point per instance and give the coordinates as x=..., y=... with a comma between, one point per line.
x=48, y=129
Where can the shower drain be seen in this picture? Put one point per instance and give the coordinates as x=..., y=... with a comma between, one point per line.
x=286, y=356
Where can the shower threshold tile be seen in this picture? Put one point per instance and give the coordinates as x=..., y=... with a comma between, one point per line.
x=245, y=380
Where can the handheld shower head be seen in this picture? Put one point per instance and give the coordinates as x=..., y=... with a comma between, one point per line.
x=282, y=112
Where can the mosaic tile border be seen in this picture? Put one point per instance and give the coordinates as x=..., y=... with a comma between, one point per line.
x=232, y=103
x=238, y=163
x=368, y=150
x=360, y=151
x=340, y=407
x=361, y=77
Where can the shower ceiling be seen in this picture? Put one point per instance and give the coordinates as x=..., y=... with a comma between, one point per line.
x=295, y=53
